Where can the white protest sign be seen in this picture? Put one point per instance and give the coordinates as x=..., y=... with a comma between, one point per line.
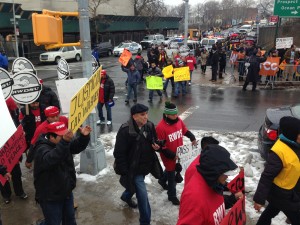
x=7, y=126
x=63, y=71
x=26, y=87
x=187, y=153
x=284, y=42
x=6, y=83
x=95, y=64
x=65, y=93
x=22, y=64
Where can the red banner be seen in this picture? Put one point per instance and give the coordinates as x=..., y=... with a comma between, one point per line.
x=12, y=150
x=238, y=183
x=125, y=57
x=236, y=215
x=269, y=67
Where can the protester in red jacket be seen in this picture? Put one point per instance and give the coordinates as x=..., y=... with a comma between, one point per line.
x=171, y=129
x=202, y=201
x=191, y=63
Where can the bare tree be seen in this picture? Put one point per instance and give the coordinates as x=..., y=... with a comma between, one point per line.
x=149, y=8
x=93, y=8
x=266, y=7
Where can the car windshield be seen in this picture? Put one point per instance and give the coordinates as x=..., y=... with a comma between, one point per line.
x=211, y=42
x=204, y=41
x=296, y=111
x=123, y=45
x=148, y=38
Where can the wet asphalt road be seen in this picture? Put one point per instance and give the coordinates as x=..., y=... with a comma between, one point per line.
x=205, y=107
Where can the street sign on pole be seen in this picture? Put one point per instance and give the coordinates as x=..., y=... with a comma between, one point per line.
x=284, y=8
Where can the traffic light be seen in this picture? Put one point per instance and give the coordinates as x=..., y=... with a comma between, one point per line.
x=47, y=29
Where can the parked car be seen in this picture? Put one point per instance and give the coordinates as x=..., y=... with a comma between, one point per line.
x=152, y=39
x=209, y=42
x=105, y=48
x=133, y=47
x=70, y=52
x=245, y=29
x=268, y=132
x=167, y=40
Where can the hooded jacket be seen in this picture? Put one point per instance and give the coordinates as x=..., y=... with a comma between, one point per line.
x=48, y=98
x=54, y=172
x=133, y=75
x=109, y=89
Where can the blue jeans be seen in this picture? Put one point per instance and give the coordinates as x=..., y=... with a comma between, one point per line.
x=167, y=82
x=57, y=212
x=100, y=111
x=130, y=88
x=152, y=91
x=142, y=199
x=169, y=176
x=191, y=73
x=179, y=84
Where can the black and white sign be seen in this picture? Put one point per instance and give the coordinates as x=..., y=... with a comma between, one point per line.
x=95, y=64
x=22, y=64
x=6, y=83
x=26, y=87
x=284, y=42
x=63, y=71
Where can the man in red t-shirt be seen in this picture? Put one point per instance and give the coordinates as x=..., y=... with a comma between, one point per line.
x=191, y=63
x=171, y=129
x=52, y=115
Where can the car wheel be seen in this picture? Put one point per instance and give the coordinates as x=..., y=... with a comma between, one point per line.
x=109, y=53
x=57, y=59
x=77, y=57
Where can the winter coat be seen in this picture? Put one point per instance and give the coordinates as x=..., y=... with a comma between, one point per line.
x=253, y=69
x=267, y=190
x=109, y=89
x=133, y=75
x=138, y=61
x=134, y=154
x=214, y=58
x=54, y=171
x=155, y=72
x=153, y=59
x=222, y=59
x=48, y=98
x=203, y=58
x=3, y=61
x=191, y=62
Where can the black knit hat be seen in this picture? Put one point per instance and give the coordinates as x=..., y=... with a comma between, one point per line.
x=138, y=108
x=170, y=109
x=289, y=127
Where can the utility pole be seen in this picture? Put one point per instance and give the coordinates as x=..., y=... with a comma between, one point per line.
x=186, y=21
x=92, y=160
x=15, y=29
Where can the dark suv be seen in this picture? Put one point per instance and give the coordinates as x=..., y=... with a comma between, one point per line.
x=105, y=48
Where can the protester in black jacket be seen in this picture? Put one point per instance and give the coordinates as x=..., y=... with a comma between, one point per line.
x=214, y=63
x=222, y=62
x=48, y=97
x=135, y=158
x=54, y=172
x=279, y=183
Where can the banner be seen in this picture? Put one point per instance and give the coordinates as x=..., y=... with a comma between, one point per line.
x=84, y=101
x=270, y=66
x=168, y=71
x=187, y=153
x=12, y=150
x=7, y=126
x=233, y=58
x=238, y=183
x=182, y=74
x=284, y=42
x=154, y=83
x=236, y=215
x=282, y=65
x=125, y=57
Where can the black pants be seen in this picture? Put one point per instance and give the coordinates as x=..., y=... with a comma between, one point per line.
x=214, y=71
x=17, y=183
x=221, y=70
x=271, y=211
x=203, y=68
x=246, y=84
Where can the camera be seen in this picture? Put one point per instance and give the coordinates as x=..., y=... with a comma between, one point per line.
x=161, y=143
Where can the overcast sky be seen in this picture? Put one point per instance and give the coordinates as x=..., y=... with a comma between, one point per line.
x=177, y=2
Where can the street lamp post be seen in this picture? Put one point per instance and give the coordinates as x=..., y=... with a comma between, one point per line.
x=15, y=29
x=186, y=21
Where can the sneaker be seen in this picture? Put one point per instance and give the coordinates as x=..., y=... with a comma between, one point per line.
x=7, y=200
x=23, y=196
x=100, y=122
x=108, y=122
x=163, y=185
x=174, y=200
x=129, y=202
x=190, y=83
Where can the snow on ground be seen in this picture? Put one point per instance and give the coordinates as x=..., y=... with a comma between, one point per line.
x=243, y=149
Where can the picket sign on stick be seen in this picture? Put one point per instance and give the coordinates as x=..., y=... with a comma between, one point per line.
x=154, y=83
x=168, y=71
x=182, y=74
x=125, y=57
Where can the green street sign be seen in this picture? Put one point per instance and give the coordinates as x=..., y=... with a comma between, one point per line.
x=287, y=8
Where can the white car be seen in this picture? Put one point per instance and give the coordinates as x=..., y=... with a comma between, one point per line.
x=133, y=47
x=70, y=52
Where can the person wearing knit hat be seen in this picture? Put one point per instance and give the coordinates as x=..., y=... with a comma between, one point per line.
x=52, y=114
x=280, y=181
x=171, y=129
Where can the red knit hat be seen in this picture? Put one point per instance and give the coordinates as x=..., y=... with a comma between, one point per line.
x=51, y=111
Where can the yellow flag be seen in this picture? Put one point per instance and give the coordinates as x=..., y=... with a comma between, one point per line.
x=182, y=74
x=168, y=71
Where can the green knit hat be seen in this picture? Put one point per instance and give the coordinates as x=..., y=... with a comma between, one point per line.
x=170, y=109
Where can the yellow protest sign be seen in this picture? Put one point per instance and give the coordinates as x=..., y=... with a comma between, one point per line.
x=181, y=74
x=84, y=101
x=125, y=57
x=154, y=83
x=168, y=71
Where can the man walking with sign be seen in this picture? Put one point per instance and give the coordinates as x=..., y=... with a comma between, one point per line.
x=133, y=78
x=154, y=71
x=54, y=172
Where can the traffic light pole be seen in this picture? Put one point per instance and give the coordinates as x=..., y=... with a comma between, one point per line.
x=92, y=160
x=15, y=30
